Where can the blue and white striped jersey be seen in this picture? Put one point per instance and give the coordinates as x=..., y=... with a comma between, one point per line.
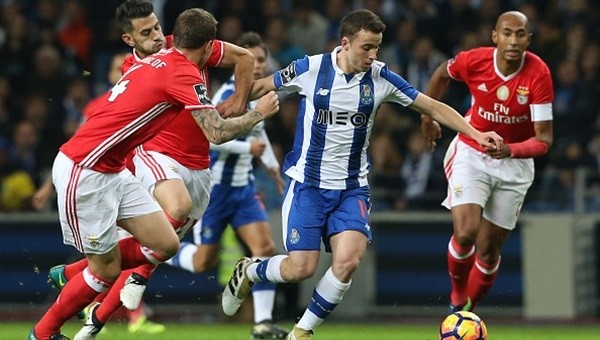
x=231, y=162
x=336, y=117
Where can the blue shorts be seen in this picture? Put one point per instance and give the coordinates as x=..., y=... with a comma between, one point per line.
x=235, y=206
x=311, y=214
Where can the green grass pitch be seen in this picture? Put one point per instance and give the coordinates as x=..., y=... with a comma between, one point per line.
x=327, y=331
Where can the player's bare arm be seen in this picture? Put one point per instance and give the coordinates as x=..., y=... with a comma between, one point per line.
x=438, y=85
x=219, y=130
x=534, y=147
x=261, y=87
x=452, y=119
x=242, y=62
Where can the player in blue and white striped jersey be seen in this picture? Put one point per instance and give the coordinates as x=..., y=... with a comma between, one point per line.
x=327, y=198
x=234, y=201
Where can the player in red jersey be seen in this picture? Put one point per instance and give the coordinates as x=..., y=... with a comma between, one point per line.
x=512, y=95
x=95, y=190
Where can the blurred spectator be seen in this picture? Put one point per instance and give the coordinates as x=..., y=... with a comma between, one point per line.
x=16, y=186
x=280, y=46
x=335, y=10
x=384, y=176
x=75, y=33
x=398, y=54
x=425, y=59
x=76, y=99
x=308, y=28
x=565, y=90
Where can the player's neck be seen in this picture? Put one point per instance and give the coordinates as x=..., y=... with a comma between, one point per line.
x=344, y=64
x=507, y=67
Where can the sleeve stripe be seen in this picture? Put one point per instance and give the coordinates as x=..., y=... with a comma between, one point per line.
x=199, y=107
x=541, y=112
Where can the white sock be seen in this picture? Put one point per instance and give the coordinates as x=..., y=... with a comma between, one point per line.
x=185, y=257
x=267, y=270
x=263, y=304
x=328, y=292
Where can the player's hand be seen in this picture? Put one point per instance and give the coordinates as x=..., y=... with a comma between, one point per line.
x=276, y=175
x=228, y=108
x=490, y=141
x=502, y=152
x=41, y=197
x=257, y=147
x=431, y=130
x=268, y=104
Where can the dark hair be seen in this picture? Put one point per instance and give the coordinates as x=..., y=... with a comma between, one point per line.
x=360, y=19
x=194, y=27
x=251, y=39
x=132, y=9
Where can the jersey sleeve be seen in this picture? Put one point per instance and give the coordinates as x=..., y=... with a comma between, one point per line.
x=543, y=96
x=290, y=78
x=185, y=86
x=458, y=66
x=127, y=62
x=400, y=91
x=216, y=56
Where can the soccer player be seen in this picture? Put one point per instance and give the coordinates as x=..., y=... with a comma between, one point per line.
x=234, y=200
x=95, y=191
x=327, y=198
x=512, y=94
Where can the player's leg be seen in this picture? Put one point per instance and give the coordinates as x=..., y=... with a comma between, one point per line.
x=300, y=263
x=499, y=219
x=468, y=191
x=483, y=274
x=348, y=233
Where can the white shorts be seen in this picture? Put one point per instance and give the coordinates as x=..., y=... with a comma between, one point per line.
x=497, y=185
x=90, y=203
x=152, y=167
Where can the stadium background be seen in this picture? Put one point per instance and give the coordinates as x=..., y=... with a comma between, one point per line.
x=54, y=55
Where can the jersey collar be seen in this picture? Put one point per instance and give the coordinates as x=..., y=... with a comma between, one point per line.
x=510, y=76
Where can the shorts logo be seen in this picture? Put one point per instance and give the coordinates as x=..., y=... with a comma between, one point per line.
x=458, y=190
x=366, y=95
x=289, y=73
x=294, y=236
x=94, y=241
x=207, y=231
x=202, y=94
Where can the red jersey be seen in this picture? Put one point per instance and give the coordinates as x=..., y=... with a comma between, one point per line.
x=505, y=104
x=147, y=98
x=183, y=140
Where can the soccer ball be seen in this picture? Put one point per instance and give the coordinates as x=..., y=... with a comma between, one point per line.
x=463, y=326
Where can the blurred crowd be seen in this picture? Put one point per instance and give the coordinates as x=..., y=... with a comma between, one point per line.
x=55, y=55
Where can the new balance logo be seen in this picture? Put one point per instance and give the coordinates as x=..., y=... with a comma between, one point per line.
x=482, y=87
x=323, y=92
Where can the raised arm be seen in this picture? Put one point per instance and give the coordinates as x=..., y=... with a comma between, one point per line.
x=261, y=87
x=242, y=62
x=218, y=130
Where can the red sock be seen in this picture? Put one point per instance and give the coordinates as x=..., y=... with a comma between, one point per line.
x=75, y=296
x=132, y=255
x=74, y=268
x=145, y=270
x=112, y=301
x=460, y=262
x=481, y=279
x=175, y=223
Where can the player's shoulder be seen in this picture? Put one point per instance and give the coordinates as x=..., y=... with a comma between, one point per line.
x=534, y=61
x=480, y=53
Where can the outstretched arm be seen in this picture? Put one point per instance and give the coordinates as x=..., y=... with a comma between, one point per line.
x=218, y=130
x=533, y=147
x=261, y=87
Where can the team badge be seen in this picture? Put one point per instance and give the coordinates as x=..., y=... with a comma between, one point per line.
x=202, y=94
x=502, y=93
x=289, y=73
x=458, y=190
x=294, y=236
x=522, y=95
x=366, y=94
x=94, y=241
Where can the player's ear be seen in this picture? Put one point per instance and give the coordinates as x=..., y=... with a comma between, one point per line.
x=494, y=36
x=345, y=43
x=128, y=39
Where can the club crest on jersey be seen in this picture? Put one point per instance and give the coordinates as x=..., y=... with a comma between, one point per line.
x=522, y=95
x=294, y=236
x=366, y=94
x=288, y=73
x=502, y=93
x=202, y=94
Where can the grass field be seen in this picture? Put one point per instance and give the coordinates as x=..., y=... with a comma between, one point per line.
x=327, y=331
